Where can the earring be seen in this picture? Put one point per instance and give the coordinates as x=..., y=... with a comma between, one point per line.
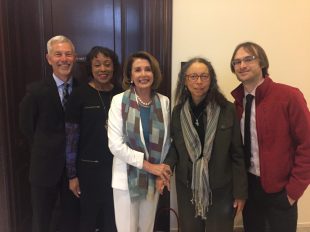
x=131, y=82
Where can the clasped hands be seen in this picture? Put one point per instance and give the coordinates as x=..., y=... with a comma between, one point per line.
x=163, y=173
x=164, y=180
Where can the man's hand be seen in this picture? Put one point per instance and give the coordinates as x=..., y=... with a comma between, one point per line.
x=290, y=200
x=239, y=205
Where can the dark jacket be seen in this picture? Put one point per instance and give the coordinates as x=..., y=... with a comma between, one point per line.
x=42, y=122
x=227, y=159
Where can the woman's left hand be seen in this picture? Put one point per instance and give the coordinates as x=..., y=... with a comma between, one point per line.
x=159, y=185
x=239, y=205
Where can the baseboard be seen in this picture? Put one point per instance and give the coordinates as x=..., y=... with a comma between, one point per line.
x=173, y=230
x=301, y=227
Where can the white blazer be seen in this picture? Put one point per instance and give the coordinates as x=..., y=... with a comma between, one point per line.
x=123, y=154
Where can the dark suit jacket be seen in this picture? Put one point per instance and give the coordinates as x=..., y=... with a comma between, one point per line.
x=42, y=120
x=227, y=159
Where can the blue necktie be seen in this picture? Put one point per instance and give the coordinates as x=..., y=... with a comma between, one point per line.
x=65, y=94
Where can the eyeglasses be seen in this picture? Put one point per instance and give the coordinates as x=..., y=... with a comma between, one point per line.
x=195, y=76
x=246, y=60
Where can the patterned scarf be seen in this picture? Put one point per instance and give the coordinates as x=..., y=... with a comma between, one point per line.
x=200, y=186
x=141, y=184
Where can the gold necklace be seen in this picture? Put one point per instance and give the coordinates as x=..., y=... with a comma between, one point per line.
x=104, y=108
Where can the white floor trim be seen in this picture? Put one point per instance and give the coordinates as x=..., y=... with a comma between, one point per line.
x=301, y=227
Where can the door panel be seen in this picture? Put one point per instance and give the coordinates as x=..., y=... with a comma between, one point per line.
x=88, y=23
x=25, y=26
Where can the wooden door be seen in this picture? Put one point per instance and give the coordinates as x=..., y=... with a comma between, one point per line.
x=25, y=26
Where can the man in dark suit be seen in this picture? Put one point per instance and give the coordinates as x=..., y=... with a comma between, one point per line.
x=42, y=121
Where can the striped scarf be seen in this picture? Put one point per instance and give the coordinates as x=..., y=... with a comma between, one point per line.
x=141, y=184
x=200, y=186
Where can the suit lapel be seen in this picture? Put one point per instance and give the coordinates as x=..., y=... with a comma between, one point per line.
x=53, y=93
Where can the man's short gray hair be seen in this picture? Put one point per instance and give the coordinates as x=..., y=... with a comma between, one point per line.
x=58, y=39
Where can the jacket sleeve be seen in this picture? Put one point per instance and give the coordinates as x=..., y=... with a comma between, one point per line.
x=240, y=186
x=28, y=111
x=299, y=121
x=172, y=156
x=117, y=143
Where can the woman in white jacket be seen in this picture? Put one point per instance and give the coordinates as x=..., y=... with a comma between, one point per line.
x=138, y=131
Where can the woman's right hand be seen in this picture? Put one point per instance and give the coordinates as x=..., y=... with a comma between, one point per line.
x=74, y=186
x=161, y=170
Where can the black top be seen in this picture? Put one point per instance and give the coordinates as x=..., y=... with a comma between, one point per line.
x=89, y=108
x=197, y=115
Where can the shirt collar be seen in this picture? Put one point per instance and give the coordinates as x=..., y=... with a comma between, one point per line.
x=60, y=82
x=254, y=90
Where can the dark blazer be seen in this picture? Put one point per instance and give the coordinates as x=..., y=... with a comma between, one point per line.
x=42, y=120
x=226, y=164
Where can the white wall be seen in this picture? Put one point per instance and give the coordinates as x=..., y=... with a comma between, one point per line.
x=213, y=28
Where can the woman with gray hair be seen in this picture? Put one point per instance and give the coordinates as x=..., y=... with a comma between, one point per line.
x=206, y=152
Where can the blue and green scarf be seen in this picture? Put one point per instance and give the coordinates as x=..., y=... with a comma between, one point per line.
x=141, y=184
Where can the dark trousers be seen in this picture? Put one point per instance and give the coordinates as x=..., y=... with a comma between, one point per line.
x=97, y=213
x=96, y=200
x=268, y=212
x=44, y=200
x=220, y=217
